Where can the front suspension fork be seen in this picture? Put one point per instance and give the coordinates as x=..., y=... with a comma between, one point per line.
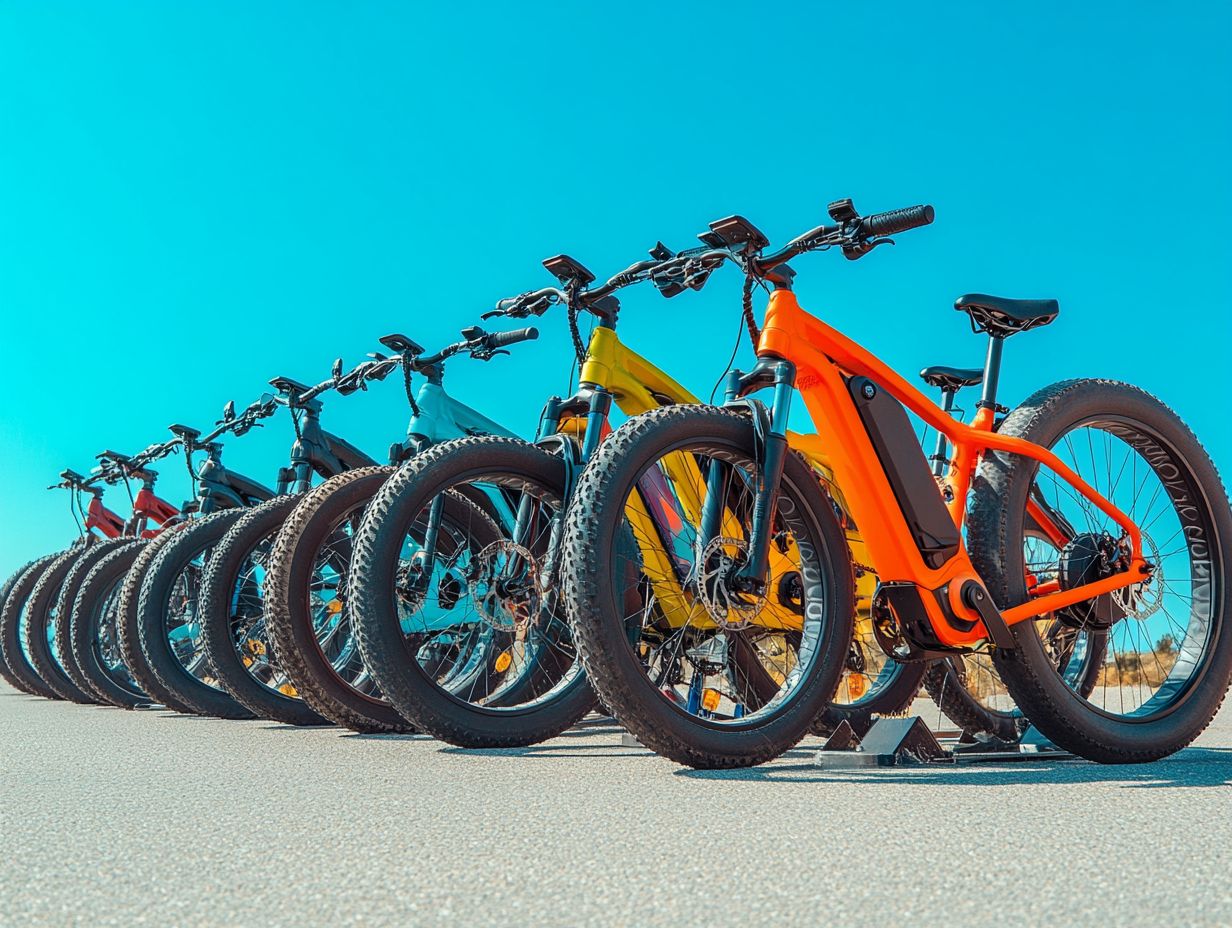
x=752, y=577
x=772, y=441
x=432, y=531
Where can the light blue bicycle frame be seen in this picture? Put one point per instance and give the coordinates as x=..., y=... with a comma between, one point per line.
x=442, y=418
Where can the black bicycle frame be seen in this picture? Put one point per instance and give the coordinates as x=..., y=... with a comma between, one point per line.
x=316, y=451
x=221, y=488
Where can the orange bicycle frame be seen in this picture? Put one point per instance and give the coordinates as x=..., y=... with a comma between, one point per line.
x=824, y=358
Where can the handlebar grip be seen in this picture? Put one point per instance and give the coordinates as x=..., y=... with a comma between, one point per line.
x=898, y=220
x=501, y=339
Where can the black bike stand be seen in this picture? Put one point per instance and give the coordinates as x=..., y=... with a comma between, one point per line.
x=908, y=741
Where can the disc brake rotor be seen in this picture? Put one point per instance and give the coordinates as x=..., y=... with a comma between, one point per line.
x=720, y=559
x=1143, y=600
x=507, y=600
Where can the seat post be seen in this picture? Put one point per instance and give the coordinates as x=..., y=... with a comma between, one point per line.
x=992, y=372
x=941, y=454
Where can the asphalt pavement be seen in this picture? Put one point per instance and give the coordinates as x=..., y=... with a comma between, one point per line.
x=110, y=817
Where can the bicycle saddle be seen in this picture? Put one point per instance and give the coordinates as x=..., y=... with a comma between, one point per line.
x=951, y=378
x=1002, y=318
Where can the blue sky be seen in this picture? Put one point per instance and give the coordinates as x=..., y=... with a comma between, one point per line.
x=195, y=197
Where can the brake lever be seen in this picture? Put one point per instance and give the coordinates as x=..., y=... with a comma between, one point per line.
x=481, y=353
x=858, y=250
x=524, y=310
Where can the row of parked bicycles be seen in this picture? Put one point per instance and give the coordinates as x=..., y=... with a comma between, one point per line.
x=718, y=583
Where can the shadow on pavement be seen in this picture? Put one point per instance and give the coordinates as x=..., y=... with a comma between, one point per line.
x=1193, y=767
x=550, y=750
x=384, y=735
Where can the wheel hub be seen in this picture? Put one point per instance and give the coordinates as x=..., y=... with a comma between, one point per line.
x=411, y=588
x=730, y=608
x=1087, y=558
x=506, y=596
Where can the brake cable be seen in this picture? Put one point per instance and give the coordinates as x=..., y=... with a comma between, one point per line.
x=188, y=465
x=406, y=384
x=571, y=313
x=74, y=504
x=747, y=305
x=730, y=361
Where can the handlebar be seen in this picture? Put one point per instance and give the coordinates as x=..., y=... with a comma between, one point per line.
x=504, y=339
x=856, y=235
x=530, y=303
x=237, y=425
x=897, y=220
x=537, y=302
x=377, y=368
x=482, y=345
x=71, y=480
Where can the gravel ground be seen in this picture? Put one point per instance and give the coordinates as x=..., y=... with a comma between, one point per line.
x=150, y=818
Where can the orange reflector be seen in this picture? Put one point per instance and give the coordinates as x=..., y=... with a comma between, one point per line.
x=710, y=700
x=503, y=660
x=256, y=647
x=334, y=606
x=857, y=685
x=288, y=690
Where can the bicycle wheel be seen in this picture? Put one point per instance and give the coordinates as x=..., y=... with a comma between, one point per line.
x=7, y=588
x=169, y=617
x=128, y=634
x=93, y=629
x=308, y=604
x=43, y=617
x=66, y=602
x=13, y=613
x=464, y=635
x=233, y=618
x=1168, y=644
x=872, y=685
x=703, y=675
x=967, y=687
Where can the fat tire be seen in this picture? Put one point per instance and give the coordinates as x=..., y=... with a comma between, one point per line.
x=66, y=605
x=894, y=699
x=4, y=594
x=47, y=596
x=85, y=621
x=17, y=668
x=1000, y=489
x=289, y=620
x=946, y=687
x=377, y=543
x=616, y=675
x=171, y=560
x=130, y=638
x=216, y=589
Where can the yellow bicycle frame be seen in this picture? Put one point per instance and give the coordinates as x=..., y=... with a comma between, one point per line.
x=638, y=386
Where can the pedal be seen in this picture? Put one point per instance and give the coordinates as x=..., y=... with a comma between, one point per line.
x=975, y=596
